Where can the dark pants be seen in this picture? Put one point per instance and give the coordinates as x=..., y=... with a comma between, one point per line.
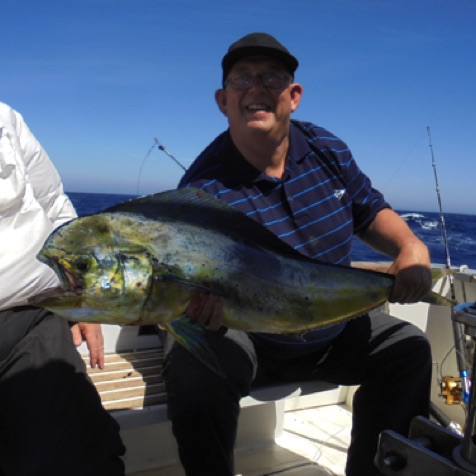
x=52, y=422
x=389, y=358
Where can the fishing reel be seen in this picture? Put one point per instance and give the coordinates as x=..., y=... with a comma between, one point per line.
x=456, y=390
x=451, y=390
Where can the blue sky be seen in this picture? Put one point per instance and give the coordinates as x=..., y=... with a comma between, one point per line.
x=97, y=80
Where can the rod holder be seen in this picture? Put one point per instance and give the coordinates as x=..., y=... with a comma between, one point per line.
x=465, y=453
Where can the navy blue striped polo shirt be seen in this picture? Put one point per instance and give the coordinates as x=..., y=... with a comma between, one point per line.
x=321, y=200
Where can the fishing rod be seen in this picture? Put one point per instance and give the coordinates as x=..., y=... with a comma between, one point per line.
x=442, y=215
x=161, y=147
x=458, y=330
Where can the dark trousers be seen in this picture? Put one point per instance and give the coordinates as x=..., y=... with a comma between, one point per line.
x=52, y=422
x=389, y=358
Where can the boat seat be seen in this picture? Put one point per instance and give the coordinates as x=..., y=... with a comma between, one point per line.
x=132, y=381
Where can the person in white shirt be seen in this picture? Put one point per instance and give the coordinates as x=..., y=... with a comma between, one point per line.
x=51, y=418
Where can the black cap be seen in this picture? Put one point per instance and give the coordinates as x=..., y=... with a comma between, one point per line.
x=258, y=44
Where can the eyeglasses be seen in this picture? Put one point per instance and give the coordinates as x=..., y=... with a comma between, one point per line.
x=270, y=80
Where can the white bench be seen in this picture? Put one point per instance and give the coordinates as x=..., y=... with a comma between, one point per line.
x=132, y=390
x=132, y=383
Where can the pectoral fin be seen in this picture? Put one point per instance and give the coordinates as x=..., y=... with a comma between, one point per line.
x=173, y=278
x=192, y=336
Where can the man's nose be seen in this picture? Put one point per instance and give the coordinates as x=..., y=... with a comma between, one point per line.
x=257, y=82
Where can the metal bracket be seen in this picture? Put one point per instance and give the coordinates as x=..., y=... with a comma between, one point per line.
x=431, y=449
x=428, y=451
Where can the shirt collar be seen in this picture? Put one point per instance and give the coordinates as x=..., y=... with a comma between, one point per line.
x=242, y=169
x=299, y=149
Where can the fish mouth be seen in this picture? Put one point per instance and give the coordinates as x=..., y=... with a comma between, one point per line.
x=54, y=293
x=70, y=283
x=70, y=288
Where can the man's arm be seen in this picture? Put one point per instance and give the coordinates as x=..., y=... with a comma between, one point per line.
x=390, y=234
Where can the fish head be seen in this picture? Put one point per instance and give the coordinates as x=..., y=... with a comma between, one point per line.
x=105, y=271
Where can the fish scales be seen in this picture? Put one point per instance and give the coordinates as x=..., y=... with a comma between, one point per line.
x=140, y=258
x=141, y=262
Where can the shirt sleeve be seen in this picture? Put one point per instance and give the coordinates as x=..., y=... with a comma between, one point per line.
x=366, y=200
x=44, y=177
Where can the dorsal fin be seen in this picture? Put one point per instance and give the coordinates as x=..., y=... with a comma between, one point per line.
x=197, y=207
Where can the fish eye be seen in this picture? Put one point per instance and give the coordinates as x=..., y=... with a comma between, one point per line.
x=82, y=264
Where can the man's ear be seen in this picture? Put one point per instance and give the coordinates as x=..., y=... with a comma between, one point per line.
x=296, y=94
x=221, y=100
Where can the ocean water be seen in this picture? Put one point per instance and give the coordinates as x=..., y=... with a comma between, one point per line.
x=460, y=236
x=460, y=230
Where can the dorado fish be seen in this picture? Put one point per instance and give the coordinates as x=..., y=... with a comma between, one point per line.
x=142, y=261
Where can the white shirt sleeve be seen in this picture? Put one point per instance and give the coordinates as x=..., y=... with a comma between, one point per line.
x=32, y=205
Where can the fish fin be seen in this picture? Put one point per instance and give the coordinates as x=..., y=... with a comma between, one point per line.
x=437, y=273
x=200, y=209
x=203, y=210
x=438, y=299
x=178, y=280
x=191, y=335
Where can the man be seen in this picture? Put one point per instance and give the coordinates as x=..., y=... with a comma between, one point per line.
x=52, y=422
x=301, y=182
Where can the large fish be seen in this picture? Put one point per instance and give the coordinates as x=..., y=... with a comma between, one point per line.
x=140, y=262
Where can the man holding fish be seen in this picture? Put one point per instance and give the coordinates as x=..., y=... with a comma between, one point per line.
x=302, y=183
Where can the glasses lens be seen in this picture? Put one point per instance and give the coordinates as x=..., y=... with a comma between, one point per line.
x=271, y=80
x=275, y=80
x=240, y=81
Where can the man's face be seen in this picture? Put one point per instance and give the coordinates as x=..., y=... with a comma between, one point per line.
x=258, y=109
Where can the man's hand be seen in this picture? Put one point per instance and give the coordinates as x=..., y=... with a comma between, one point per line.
x=207, y=310
x=412, y=271
x=92, y=333
x=411, y=285
x=391, y=235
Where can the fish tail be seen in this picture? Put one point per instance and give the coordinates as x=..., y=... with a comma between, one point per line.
x=438, y=299
x=437, y=273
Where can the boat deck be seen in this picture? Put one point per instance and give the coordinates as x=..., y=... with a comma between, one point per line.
x=314, y=442
x=320, y=434
x=305, y=433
